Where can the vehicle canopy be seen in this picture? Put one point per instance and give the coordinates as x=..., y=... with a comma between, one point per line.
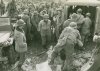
x=5, y=29
x=83, y=2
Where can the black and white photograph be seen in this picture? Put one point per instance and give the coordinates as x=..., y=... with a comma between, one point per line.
x=49, y=35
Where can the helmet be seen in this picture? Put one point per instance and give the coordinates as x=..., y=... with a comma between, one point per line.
x=79, y=10
x=73, y=24
x=20, y=22
x=88, y=14
x=74, y=16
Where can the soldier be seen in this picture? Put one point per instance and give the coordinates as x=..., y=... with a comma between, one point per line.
x=73, y=18
x=45, y=30
x=35, y=21
x=96, y=65
x=86, y=27
x=59, y=22
x=27, y=26
x=67, y=40
x=20, y=42
x=80, y=19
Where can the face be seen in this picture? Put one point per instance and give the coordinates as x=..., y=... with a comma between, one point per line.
x=21, y=27
x=75, y=27
x=59, y=12
x=45, y=19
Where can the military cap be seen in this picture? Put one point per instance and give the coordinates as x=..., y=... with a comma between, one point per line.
x=73, y=24
x=20, y=22
x=74, y=16
x=88, y=14
x=79, y=10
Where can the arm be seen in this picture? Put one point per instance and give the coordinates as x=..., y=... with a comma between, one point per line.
x=62, y=34
x=39, y=26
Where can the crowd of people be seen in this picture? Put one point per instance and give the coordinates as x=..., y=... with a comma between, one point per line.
x=48, y=22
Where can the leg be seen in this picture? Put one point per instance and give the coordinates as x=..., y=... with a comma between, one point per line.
x=21, y=60
x=43, y=41
x=48, y=39
x=57, y=50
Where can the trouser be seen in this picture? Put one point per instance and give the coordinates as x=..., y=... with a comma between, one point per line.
x=85, y=38
x=69, y=50
x=58, y=32
x=46, y=39
x=21, y=58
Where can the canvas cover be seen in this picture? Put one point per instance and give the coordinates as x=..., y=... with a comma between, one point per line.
x=5, y=29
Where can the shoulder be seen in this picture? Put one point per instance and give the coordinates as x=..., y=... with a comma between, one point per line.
x=42, y=21
x=67, y=20
x=49, y=21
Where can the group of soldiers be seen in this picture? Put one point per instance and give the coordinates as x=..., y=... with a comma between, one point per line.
x=52, y=24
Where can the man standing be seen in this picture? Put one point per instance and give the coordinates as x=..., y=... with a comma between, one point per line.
x=67, y=40
x=59, y=22
x=80, y=19
x=86, y=28
x=35, y=21
x=27, y=26
x=45, y=30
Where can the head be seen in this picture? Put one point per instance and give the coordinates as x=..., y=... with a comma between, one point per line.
x=35, y=13
x=59, y=11
x=20, y=24
x=74, y=16
x=25, y=12
x=73, y=25
x=88, y=14
x=46, y=17
x=79, y=11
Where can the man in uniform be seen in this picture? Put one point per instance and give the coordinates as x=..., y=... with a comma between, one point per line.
x=59, y=22
x=86, y=28
x=80, y=19
x=27, y=26
x=35, y=21
x=67, y=40
x=45, y=30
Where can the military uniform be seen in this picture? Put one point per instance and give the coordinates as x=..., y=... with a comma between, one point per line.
x=45, y=31
x=59, y=23
x=86, y=28
x=27, y=26
x=67, y=41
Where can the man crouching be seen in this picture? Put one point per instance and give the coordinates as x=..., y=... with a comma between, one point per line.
x=69, y=37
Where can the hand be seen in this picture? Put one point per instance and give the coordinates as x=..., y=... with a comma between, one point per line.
x=51, y=62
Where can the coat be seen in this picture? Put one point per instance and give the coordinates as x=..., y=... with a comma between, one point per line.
x=70, y=33
x=66, y=42
x=44, y=28
x=80, y=21
x=27, y=27
x=86, y=27
x=20, y=41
